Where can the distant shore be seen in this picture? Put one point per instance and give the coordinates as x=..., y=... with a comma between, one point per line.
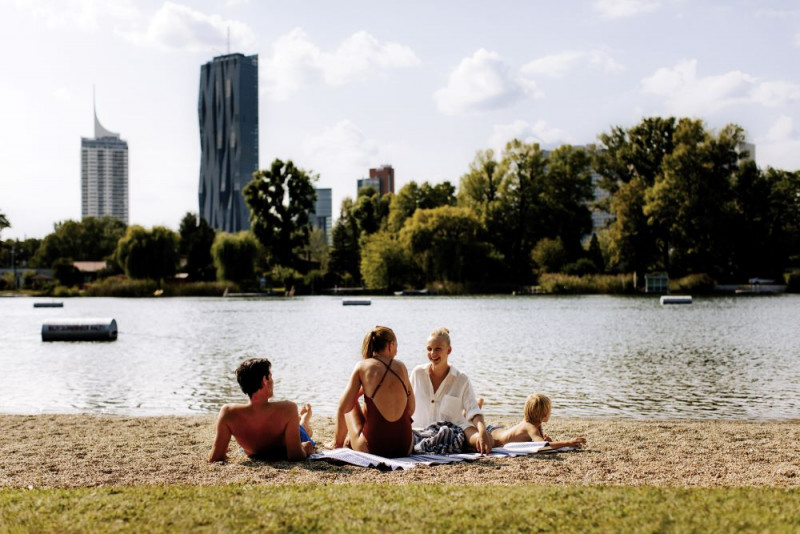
x=65, y=451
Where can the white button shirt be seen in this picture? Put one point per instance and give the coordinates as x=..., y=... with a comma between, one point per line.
x=454, y=397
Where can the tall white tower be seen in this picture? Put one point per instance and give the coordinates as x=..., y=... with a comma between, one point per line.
x=104, y=174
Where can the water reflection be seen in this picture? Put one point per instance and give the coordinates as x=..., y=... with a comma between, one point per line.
x=595, y=356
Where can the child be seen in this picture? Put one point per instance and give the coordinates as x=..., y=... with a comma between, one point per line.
x=537, y=411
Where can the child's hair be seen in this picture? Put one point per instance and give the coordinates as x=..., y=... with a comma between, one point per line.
x=442, y=333
x=376, y=340
x=250, y=372
x=537, y=407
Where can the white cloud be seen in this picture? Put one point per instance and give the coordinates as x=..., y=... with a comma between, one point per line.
x=341, y=151
x=80, y=14
x=296, y=61
x=781, y=146
x=557, y=65
x=539, y=132
x=614, y=9
x=782, y=130
x=178, y=27
x=63, y=94
x=687, y=94
x=482, y=82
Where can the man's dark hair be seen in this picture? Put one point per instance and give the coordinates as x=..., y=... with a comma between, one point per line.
x=250, y=372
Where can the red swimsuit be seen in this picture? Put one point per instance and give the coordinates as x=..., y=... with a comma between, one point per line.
x=391, y=439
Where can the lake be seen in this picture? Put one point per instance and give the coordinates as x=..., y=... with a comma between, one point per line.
x=598, y=356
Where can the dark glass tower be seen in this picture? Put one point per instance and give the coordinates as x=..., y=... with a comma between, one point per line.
x=228, y=113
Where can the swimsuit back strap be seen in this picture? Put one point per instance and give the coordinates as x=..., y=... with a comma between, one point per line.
x=389, y=368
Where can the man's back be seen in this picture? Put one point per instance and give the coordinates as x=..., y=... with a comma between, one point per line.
x=260, y=429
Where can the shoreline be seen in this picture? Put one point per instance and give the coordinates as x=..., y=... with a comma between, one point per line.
x=81, y=450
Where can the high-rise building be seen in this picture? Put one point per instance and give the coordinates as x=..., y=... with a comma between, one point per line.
x=228, y=114
x=322, y=216
x=385, y=176
x=104, y=174
x=368, y=182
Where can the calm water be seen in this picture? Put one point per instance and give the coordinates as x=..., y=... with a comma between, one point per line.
x=730, y=358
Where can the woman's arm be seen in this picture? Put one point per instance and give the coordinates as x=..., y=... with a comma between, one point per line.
x=346, y=403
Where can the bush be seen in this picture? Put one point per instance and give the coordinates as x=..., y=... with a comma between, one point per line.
x=200, y=289
x=792, y=281
x=589, y=284
x=122, y=287
x=693, y=283
x=64, y=291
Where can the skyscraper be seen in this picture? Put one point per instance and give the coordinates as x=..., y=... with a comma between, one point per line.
x=228, y=114
x=104, y=174
x=322, y=216
x=385, y=176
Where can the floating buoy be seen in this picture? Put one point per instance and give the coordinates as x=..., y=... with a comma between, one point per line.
x=356, y=302
x=79, y=330
x=676, y=299
x=48, y=304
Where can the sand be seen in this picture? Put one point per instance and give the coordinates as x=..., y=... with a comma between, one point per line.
x=70, y=451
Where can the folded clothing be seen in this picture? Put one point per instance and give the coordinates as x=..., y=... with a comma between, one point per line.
x=442, y=437
x=305, y=437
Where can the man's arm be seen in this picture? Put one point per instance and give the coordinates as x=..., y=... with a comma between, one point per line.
x=291, y=434
x=220, y=448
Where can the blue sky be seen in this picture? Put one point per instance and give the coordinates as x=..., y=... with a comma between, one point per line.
x=345, y=86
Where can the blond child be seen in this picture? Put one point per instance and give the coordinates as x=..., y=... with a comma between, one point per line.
x=537, y=411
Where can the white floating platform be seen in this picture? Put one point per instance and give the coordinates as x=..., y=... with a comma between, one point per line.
x=84, y=329
x=676, y=299
x=48, y=304
x=356, y=302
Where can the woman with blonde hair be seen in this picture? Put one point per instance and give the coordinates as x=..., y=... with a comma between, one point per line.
x=383, y=427
x=446, y=396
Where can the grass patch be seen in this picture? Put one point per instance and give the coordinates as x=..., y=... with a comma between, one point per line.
x=567, y=284
x=409, y=508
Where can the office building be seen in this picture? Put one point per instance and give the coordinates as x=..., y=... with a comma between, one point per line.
x=104, y=174
x=322, y=216
x=374, y=183
x=385, y=176
x=228, y=115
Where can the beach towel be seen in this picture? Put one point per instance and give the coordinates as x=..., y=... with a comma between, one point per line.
x=363, y=459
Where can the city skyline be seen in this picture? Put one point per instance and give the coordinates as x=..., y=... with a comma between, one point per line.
x=343, y=91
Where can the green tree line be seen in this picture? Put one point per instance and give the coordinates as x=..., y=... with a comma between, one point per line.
x=679, y=198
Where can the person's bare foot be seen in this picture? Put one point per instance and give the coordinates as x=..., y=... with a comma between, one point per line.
x=305, y=419
x=480, y=402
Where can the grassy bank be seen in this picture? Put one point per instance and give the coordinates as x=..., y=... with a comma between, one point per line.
x=415, y=507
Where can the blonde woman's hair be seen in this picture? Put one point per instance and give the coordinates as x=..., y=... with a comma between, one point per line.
x=442, y=333
x=376, y=340
x=537, y=407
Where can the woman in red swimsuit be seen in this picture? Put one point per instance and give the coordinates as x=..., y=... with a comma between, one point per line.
x=383, y=427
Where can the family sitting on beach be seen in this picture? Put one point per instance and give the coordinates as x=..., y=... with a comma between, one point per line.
x=436, y=396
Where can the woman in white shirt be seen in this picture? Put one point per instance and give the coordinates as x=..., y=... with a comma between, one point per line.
x=443, y=393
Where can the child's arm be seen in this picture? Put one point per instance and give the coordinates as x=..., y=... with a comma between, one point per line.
x=577, y=442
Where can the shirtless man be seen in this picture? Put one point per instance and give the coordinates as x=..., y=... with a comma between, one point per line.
x=263, y=429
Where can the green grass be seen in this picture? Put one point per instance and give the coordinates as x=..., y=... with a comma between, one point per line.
x=393, y=508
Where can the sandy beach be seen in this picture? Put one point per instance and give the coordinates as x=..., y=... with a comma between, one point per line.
x=67, y=451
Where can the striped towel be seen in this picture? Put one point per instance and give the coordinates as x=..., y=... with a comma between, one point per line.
x=439, y=438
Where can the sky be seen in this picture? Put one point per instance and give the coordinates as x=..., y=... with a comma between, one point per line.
x=421, y=85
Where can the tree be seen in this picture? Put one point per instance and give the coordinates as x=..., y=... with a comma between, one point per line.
x=4, y=222
x=196, y=238
x=412, y=197
x=93, y=238
x=550, y=255
x=345, y=255
x=448, y=244
x=386, y=264
x=235, y=257
x=149, y=254
x=478, y=188
x=691, y=204
x=280, y=199
x=370, y=210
